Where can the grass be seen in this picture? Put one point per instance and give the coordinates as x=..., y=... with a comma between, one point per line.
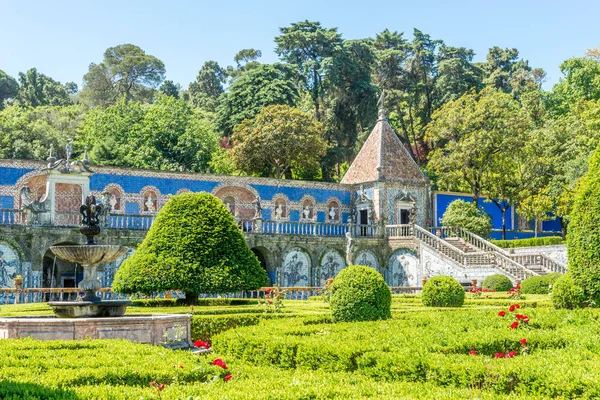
x=420, y=353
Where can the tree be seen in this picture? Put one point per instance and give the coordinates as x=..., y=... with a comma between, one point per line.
x=537, y=207
x=194, y=246
x=500, y=66
x=311, y=49
x=169, y=88
x=8, y=88
x=477, y=131
x=126, y=70
x=205, y=90
x=28, y=133
x=467, y=216
x=37, y=89
x=245, y=57
x=256, y=88
x=280, y=138
x=167, y=135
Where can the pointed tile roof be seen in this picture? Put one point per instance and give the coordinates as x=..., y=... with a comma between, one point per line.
x=383, y=157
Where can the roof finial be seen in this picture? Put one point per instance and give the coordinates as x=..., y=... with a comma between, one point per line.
x=381, y=104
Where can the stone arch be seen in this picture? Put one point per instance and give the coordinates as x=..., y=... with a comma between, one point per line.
x=331, y=263
x=116, y=197
x=149, y=199
x=296, y=268
x=10, y=263
x=368, y=258
x=183, y=190
x=265, y=258
x=35, y=176
x=281, y=206
x=403, y=269
x=239, y=197
x=333, y=208
x=308, y=208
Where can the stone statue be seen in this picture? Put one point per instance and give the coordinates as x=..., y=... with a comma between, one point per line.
x=113, y=202
x=228, y=206
x=349, y=247
x=25, y=197
x=149, y=203
x=279, y=211
x=69, y=149
x=332, y=214
x=257, y=208
x=306, y=212
x=412, y=216
x=106, y=201
x=90, y=211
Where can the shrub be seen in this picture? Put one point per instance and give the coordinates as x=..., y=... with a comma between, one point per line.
x=535, y=285
x=583, y=240
x=359, y=293
x=467, y=216
x=552, y=277
x=443, y=291
x=193, y=246
x=498, y=282
x=530, y=242
x=566, y=295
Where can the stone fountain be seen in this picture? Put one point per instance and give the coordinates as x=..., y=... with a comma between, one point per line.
x=90, y=256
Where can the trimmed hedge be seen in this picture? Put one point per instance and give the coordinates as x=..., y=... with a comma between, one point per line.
x=161, y=302
x=566, y=295
x=584, y=234
x=539, y=284
x=193, y=246
x=443, y=291
x=359, y=293
x=498, y=282
x=530, y=242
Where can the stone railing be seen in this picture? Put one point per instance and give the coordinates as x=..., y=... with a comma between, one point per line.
x=40, y=295
x=11, y=216
x=130, y=221
x=399, y=231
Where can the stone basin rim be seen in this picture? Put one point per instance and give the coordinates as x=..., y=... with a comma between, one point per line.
x=89, y=254
x=54, y=318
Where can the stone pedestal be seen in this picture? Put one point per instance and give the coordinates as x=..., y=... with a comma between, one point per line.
x=136, y=328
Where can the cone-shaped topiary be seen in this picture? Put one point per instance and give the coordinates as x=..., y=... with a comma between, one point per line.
x=583, y=240
x=194, y=246
x=498, y=282
x=359, y=293
x=443, y=291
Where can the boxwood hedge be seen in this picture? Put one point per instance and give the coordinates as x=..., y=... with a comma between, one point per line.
x=498, y=282
x=443, y=291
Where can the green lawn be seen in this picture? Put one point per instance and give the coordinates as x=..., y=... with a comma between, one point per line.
x=300, y=354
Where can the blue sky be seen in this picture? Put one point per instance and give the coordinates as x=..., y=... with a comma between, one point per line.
x=61, y=38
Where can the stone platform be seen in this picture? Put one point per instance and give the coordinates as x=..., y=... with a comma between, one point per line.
x=143, y=328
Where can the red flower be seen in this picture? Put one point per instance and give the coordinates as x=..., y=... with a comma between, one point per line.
x=227, y=377
x=473, y=352
x=502, y=313
x=514, y=325
x=220, y=363
x=511, y=354
x=519, y=316
x=499, y=355
x=181, y=366
x=525, y=319
x=523, y=341
x=161, y=387
x=268, y=291
x=200, y=343
x=153, y=384
x=511, y=308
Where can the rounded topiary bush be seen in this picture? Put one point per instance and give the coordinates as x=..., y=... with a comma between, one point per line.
x=583, y=241
x=359, y=293
x=195, y=246
x=498, y=282
x=566, y=295
x=535, y=285
x=443, y=291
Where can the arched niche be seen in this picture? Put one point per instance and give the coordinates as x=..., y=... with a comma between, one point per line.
x=403, y=269
x=368, y=258
x=240, y=200
x=331, y=264
x=296, y=268
x=333, y=214
x=308, y=210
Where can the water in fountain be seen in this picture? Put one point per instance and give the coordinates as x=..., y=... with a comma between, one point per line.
x=90, y=256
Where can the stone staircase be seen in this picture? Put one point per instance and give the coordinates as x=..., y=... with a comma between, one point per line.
x=471, y=251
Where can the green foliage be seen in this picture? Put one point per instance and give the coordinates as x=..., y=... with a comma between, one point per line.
x=443, y=291
x=529, y=242
x=126, y=71
x=359, y=293
x=167, y=135
x=566, y=295
x=168, y=88
x=208, y=302
x=205, y=90
x=8, y=88
x=535, y=285
x=584, y=234
x=498, y=282
x=37, y=89
x=194, y=246
x=205, y=327
x=461, y=214
x=279, y=138
x=252, y=91
x=28, y=133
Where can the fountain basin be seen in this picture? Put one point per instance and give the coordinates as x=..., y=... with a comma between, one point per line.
x=142, y=328
x=89, y=254
x=89, y=309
